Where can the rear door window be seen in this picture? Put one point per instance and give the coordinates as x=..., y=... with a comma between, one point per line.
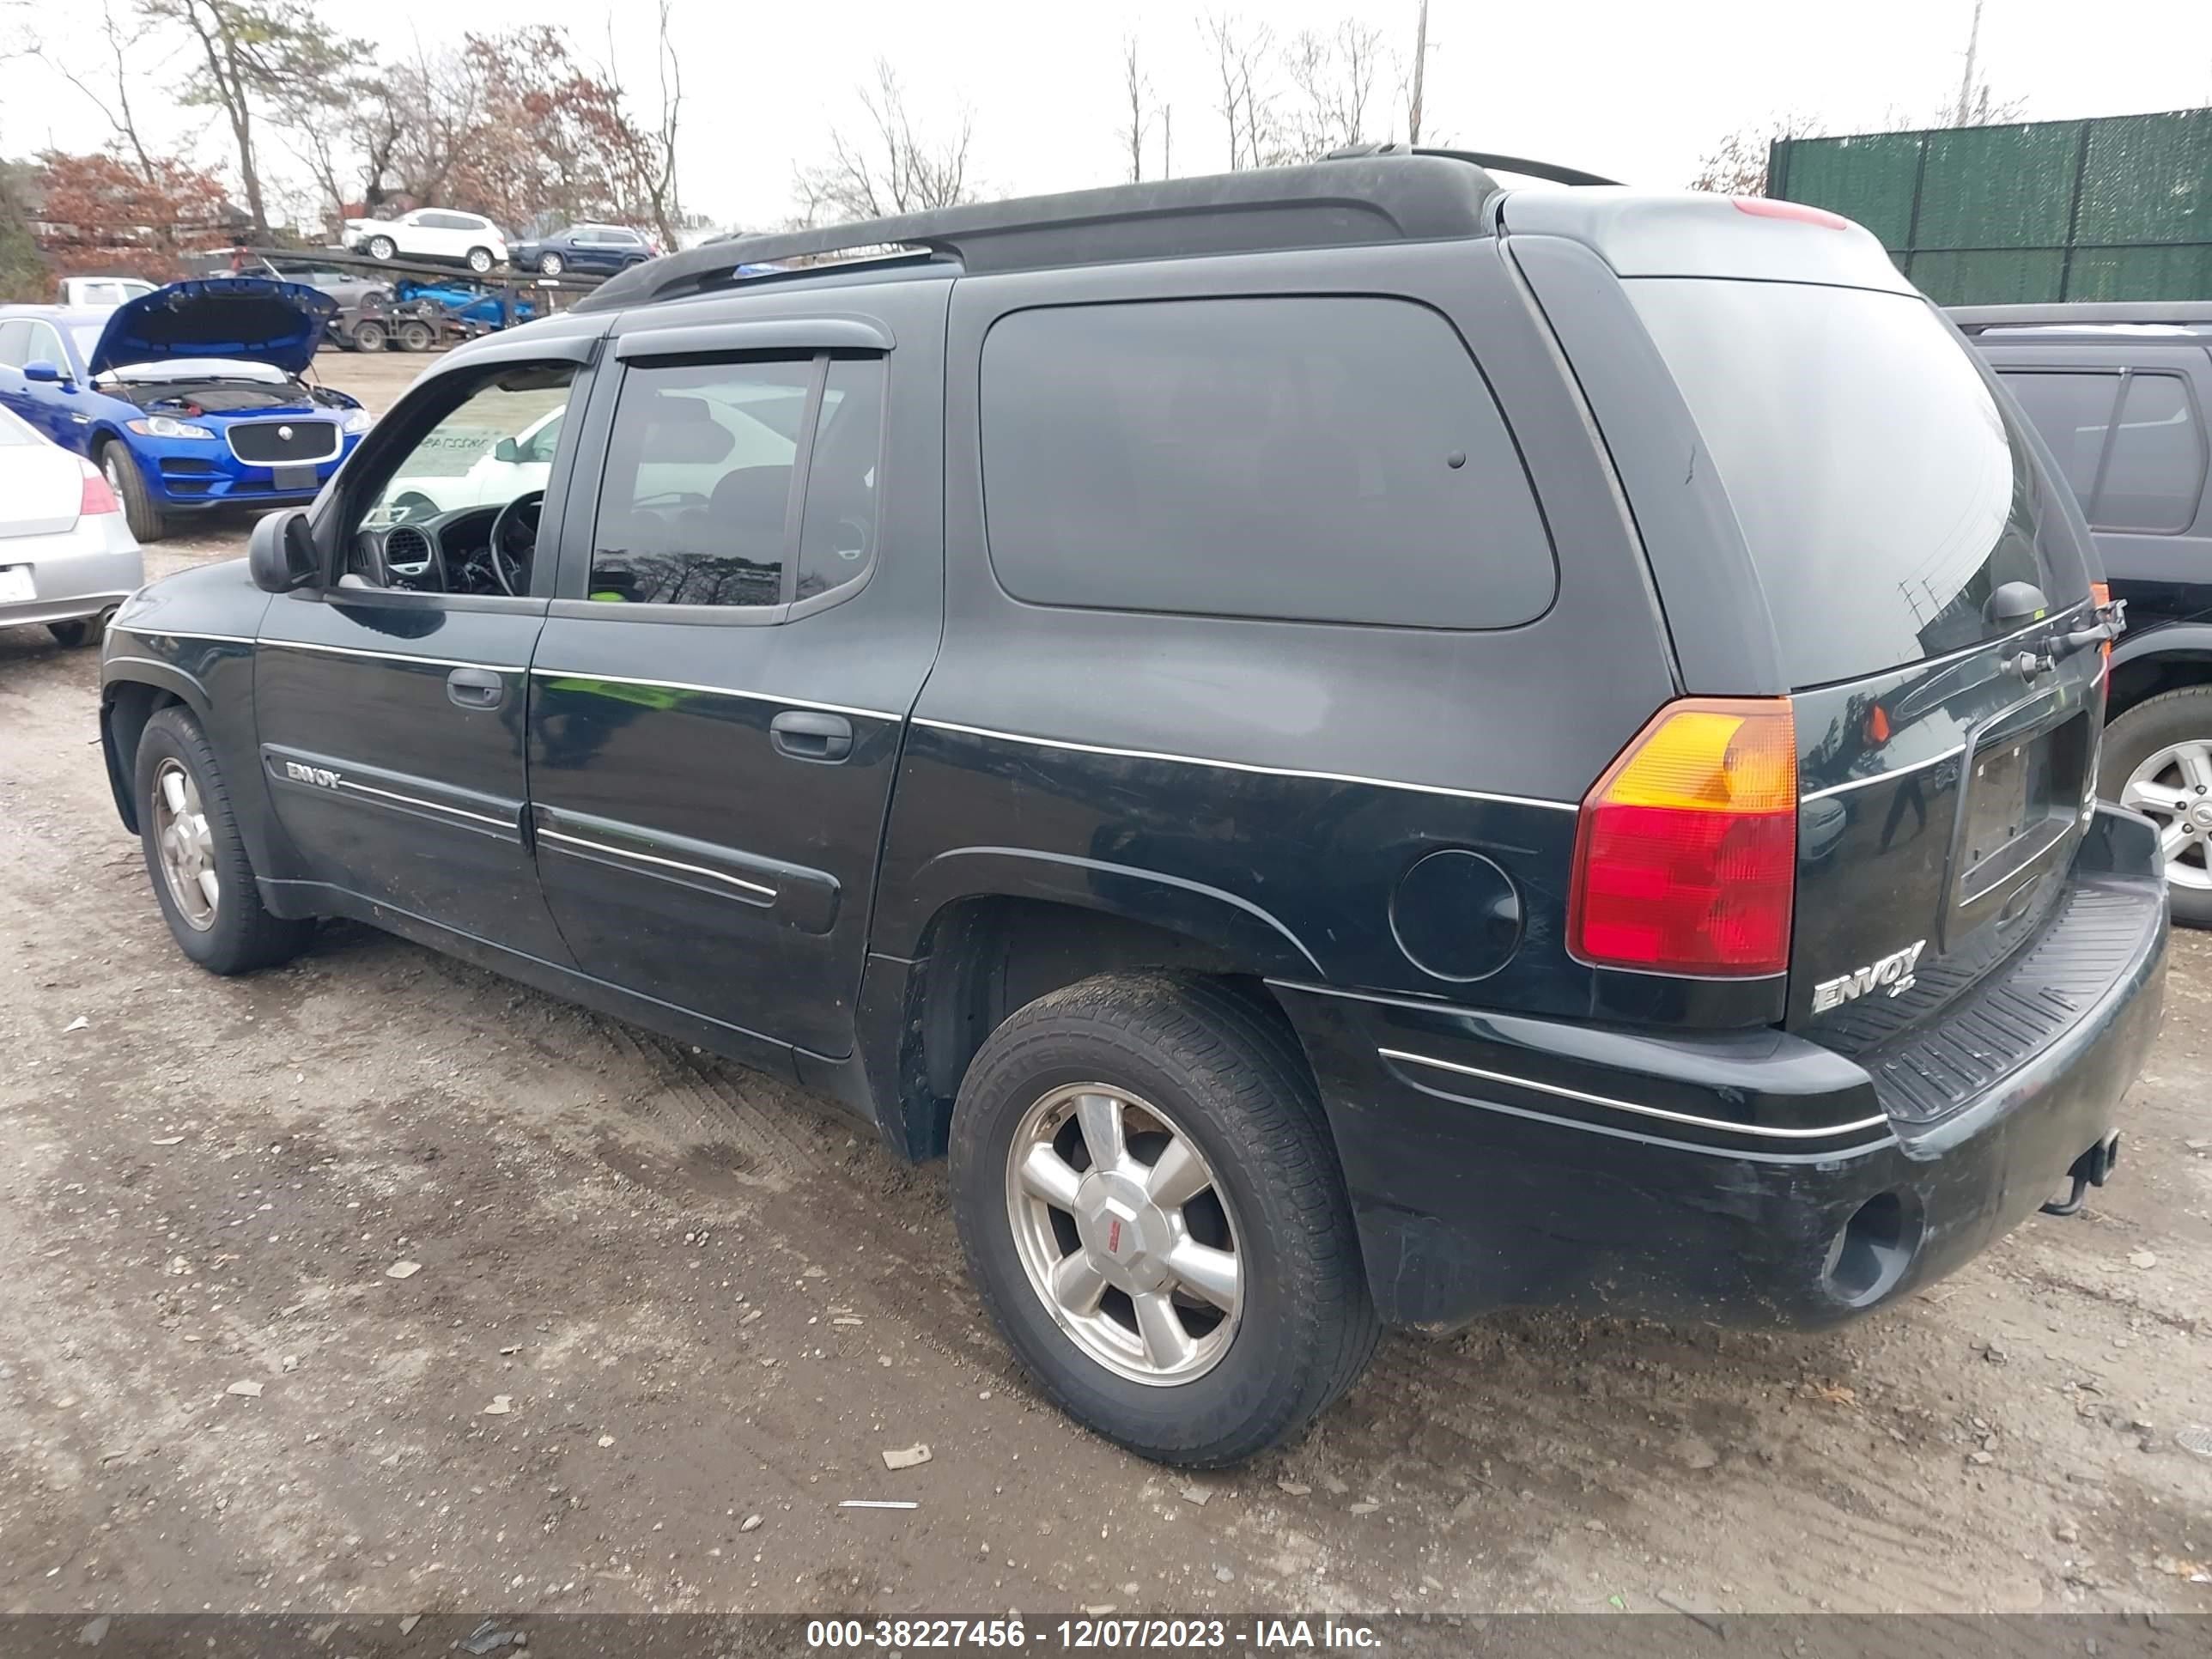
x=2074, y=413
x=1884, y=493
x=2154, y=477
x=1324, y=459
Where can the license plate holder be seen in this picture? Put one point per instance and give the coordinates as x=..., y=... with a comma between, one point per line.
x=298, y=475
x=17, y=585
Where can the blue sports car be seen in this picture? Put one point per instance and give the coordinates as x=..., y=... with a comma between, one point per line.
x=188, y=397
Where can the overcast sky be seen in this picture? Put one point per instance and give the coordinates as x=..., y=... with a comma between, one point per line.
x=1638, y=91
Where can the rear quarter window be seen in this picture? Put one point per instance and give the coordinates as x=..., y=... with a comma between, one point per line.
x=2155, y=475
x=1324, y=459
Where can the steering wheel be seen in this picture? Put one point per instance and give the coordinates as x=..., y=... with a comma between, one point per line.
x=512, y=564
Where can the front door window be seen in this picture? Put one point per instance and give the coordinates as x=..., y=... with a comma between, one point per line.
x=459, y=512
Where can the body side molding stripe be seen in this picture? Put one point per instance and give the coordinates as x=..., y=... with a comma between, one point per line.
x=1763, y=1131
x=1246, y=766
x=620, y=853
x=711, y=690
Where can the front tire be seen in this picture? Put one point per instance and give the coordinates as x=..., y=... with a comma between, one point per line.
x=480, y=260
x=368, y=337
x=195, y=859
x=1150, y=1203
x=140, y=510
x=2157, y=759
x=415, y=335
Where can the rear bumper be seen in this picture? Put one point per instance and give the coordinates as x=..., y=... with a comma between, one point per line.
x=79, y=572
x=1750, y=1178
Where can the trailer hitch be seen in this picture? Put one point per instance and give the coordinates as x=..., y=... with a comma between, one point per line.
x=2090, y=1170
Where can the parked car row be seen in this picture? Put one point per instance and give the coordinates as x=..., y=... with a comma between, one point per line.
x=1138, y=737
x=447, y=235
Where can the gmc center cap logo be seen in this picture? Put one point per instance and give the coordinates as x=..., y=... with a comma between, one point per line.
x=1114, y=1237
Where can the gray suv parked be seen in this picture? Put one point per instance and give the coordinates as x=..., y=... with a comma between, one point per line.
x=2121, y=393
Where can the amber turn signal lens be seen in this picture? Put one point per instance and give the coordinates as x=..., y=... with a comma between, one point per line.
x=1685, y=858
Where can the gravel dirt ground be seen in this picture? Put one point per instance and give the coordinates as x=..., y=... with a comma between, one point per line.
x=667, y=1315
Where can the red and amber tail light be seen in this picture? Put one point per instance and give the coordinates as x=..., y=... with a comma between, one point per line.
x=1685, y=859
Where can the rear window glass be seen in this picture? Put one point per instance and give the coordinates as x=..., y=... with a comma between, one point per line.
x=1322, y=458
x=1882, y=492
x=2154, y=477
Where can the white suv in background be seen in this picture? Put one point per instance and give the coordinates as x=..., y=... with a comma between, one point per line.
x=470, y=239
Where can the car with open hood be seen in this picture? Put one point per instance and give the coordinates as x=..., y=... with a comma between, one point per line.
x=191, y=397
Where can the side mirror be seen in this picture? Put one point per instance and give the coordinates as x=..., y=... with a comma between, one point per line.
x=280, y=553
x=507, y=450
x=41, y=369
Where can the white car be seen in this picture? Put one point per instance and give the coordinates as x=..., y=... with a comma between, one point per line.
x=511, y=466
x=442, y=233
x=67, y=558
x=92, y=291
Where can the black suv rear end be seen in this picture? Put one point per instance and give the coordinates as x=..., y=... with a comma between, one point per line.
x=1356, y=746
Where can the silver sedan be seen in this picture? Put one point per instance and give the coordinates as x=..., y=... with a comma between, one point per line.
x=67, y=558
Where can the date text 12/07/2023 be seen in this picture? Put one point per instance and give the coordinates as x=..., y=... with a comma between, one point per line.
x=1091, y=1634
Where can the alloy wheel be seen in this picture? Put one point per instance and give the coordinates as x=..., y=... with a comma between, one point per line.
x=1124, y=1234
x=180, y=830
x=2173, y=786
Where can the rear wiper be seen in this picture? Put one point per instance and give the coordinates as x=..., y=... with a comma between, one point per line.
x=2112, y=620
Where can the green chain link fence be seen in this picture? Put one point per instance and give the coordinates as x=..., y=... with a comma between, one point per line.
x=2119, y=208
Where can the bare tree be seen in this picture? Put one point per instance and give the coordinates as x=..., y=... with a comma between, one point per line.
x=654, y=164
x=1136, y=89
x=894, y=167
x=1334, y=76
x=1420, y=63
x=1243, y=67
x=251, y=54
x=1737, y=165
x=114, y=103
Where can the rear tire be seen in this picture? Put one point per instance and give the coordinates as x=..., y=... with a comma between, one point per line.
x=1222, y=1077
x=2165, y=743
x=480, y=260
x=382, y=248
x=415, y=335
x=82, y=630
x=206, y=890
x=368, y=337
x=549, y=265
x=140, y=510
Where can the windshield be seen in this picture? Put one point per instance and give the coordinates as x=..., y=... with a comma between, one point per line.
x=1883, y=492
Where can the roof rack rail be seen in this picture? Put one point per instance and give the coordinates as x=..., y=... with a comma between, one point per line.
x=2083, y=313
x=1341, y=202
x=1551, y=171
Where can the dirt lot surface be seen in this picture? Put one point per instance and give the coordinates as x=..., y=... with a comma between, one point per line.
x=666, y=1316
